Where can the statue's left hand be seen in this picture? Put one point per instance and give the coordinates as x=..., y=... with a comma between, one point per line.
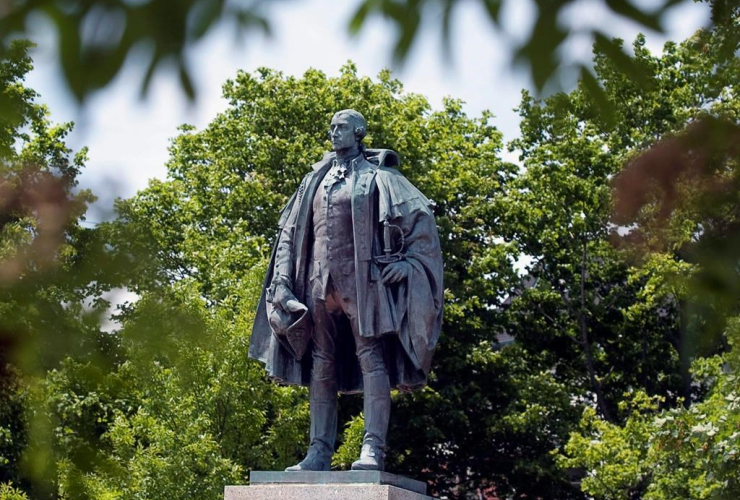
x=396, y=272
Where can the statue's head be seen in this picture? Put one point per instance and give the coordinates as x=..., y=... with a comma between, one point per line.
x=348, y=128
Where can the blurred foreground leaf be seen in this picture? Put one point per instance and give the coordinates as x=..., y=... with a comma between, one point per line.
x=540, y=52
x=96, y=36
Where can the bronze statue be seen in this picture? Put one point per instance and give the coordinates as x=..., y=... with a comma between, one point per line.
x=352, y=301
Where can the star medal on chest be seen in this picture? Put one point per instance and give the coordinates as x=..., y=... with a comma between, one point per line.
x=339, y=173
x=342, y=172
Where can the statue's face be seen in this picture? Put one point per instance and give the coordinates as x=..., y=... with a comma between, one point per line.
x=342, y=133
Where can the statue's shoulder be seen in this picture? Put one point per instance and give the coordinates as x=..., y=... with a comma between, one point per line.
x=386, y=161
x=327, y=159
x=390, y=178
x=295, y=200
x=401, y=196
x=383, y=158
x=391, y=173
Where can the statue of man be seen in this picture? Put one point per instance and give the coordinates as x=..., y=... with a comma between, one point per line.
x=352, y=301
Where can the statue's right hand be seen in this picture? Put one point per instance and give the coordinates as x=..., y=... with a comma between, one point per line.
x=282, y=296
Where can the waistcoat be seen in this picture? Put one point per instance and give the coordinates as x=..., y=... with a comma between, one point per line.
x=333, y=245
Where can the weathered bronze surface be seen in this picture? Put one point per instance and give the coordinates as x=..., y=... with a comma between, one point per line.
x=352, y=300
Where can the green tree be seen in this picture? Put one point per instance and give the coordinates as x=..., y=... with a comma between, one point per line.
x=180, y=412
x=53, y=276
x=678, y=197
x=8, y=492
x=558, y=213
x=43, y=282
x=660, y=455
x=623, y=326
x=168, y=404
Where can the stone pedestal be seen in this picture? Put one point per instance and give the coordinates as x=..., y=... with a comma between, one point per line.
x=346, y=485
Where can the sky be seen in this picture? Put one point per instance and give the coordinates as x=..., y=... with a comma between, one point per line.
x=128, y=137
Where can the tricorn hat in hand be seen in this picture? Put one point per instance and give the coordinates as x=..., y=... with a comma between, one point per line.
x=292, y=327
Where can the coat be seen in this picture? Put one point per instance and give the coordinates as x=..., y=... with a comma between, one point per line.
x=406, y=316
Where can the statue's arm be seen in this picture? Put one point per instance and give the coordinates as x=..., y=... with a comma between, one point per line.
x=283, y=270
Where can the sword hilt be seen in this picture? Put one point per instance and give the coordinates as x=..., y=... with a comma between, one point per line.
x=389, y=256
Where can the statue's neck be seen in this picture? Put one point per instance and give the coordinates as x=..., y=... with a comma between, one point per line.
x=344, y=155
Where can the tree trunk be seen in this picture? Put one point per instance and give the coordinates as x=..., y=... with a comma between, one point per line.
x=585, y=342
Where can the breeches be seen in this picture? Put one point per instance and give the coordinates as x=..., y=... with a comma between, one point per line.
x=327, y=303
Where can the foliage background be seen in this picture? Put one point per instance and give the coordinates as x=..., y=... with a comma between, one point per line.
x=622, y=380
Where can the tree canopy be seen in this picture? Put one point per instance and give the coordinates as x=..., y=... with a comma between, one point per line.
x=608, y=254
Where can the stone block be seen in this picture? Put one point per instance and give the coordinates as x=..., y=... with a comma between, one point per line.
x=336, y=485
x=321, y=492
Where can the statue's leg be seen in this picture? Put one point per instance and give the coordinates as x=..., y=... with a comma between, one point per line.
x=376, y=404
x=323, y=388
x=376, y=393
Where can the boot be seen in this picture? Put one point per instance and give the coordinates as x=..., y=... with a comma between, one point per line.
x=317, y=459
x=377, y=410
x=371, y=458
x=323, y=405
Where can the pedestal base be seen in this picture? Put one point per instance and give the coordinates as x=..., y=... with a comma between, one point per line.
x=349, y=485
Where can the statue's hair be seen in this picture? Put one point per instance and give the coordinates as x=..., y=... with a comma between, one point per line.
x=360, y=124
